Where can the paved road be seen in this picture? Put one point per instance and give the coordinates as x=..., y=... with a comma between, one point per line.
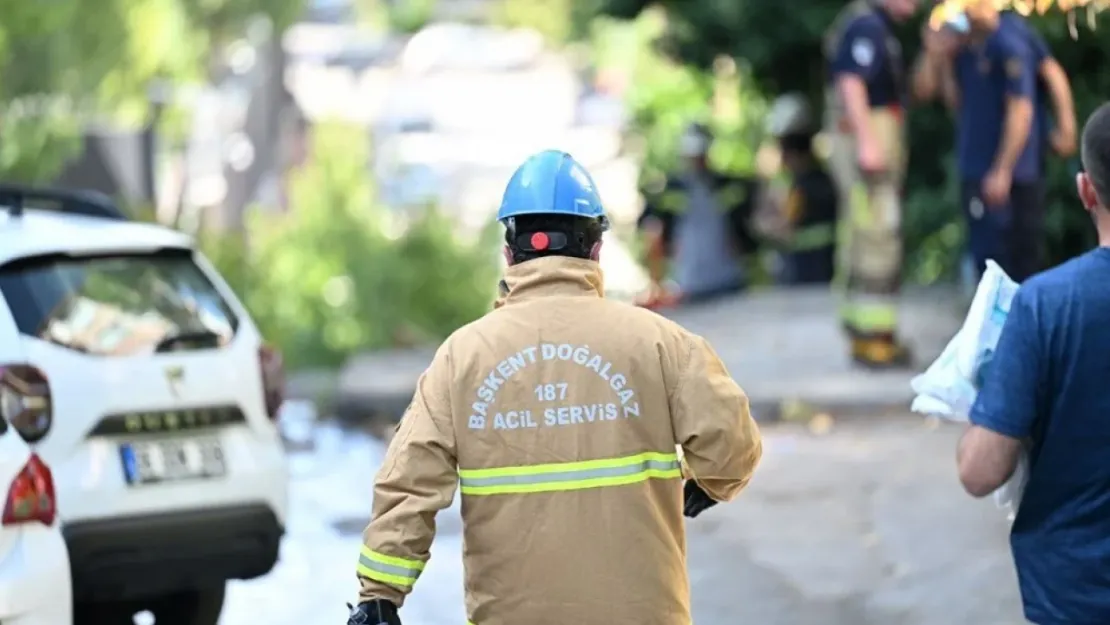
x=865, y=525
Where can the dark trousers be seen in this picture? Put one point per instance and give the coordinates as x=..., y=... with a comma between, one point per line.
x=1010, y=235
x=810, y=267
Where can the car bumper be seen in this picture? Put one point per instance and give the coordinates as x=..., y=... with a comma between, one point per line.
x=35, y=579
x=151, y=555
x=91, y=484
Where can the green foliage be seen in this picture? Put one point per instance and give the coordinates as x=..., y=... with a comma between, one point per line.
x=781, y=50
x=66, y=62
x=664, y=97
x=338, y=274
x=410, y=16
x=551, y=18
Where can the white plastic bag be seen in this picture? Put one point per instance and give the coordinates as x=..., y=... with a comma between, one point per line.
x=947, y=389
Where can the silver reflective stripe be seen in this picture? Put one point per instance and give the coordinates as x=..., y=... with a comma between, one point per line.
x=388, y=569
x=571, y=476
x=400, y=572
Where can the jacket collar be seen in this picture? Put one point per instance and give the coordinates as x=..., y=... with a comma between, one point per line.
x=552, y=276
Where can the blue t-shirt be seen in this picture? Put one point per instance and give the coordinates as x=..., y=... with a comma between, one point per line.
x=1041, y=52
x=1049, y=383
x=865, y=50
x=1002, y=66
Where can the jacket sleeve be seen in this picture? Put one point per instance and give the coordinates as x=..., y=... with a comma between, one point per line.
x=720, y=441
x=417, y=479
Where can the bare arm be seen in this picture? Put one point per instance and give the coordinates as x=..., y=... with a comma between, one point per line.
x=985, y=460
x=949, y=87
x=1015, y=132
x=926, y=84
x=1059, y=90
x=853, y=93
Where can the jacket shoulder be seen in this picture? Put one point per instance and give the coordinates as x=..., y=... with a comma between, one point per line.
x=639, y=320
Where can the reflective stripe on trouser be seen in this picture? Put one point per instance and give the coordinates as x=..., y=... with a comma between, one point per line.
x=567, y=476
x=817, y=236
x=869, y=246
x=400, y=572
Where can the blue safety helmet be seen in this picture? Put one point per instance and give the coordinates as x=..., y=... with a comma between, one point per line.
x=551, y=183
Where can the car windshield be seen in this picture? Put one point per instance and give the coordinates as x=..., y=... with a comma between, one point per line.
x=118, y=305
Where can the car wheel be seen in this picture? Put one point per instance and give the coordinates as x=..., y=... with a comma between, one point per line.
x=193, y=607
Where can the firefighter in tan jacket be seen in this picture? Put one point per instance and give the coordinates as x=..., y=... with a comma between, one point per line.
x=558, y=417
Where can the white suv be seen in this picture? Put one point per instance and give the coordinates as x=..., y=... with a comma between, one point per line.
x=34, y=566
x=133, y=370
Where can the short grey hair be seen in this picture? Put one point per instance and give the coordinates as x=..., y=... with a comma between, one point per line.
x=1095, y=151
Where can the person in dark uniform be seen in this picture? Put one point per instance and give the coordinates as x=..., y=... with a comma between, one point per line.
x=696, y=224
x=864, y=119
x=808, y=212
x=989, y=79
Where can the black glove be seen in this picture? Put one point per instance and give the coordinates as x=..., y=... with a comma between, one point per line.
x=697, y=501
x=376, y=612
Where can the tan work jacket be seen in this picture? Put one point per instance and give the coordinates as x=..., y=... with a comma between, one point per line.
x=557, y=416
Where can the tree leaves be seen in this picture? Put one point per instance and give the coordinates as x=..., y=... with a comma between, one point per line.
x=334, y=276
x=67, y=63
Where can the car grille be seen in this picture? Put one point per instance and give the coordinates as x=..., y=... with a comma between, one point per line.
x=155, y=421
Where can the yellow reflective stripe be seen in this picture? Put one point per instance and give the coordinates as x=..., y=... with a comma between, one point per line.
x=859, y=207
x=388, y=569
x=566, y=476
x=672, y=201
x=813, y=237
x=729, y=196
x=871, y=317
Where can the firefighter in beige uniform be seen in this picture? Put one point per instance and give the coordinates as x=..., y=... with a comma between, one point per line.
x=865, y=121
x=557, y=416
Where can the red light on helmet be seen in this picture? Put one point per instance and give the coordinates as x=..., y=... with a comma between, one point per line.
x=540, y=241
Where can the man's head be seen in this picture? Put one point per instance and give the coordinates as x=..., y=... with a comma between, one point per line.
x=791, y=122
x=1094, y=181
x=982, y=14
x=900, y=10
x=551, y=208
x=694, y=146
x=797, y=151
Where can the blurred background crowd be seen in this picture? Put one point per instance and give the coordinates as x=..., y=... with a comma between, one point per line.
x=341, y=159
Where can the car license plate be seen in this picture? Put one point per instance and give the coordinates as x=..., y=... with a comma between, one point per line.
x=146, y=462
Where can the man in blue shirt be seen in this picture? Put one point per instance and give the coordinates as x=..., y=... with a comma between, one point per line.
x=989, y=78
x=1047, y=389
x=864, y=119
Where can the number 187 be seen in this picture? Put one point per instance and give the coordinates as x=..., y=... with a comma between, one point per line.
x=551, y=392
